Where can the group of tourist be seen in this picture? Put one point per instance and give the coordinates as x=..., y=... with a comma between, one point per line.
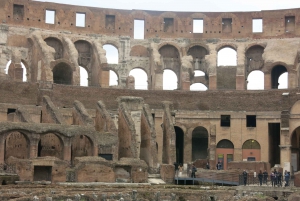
x=275, y=176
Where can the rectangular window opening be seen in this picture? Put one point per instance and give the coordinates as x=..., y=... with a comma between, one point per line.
x=11, y=110
x=18, y=12
x=168, y=24
x=226, y=25
x=289, y=23
x=139, y=29
x=251, y=120
x=197, y=25
x=80, y=19
x=50, y=17
x=257, y=25
x=225, y=120
x=110, y=22
x=108, y=157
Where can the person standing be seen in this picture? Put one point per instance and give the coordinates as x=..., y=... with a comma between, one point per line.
x=194, y=170
x=219, y=166
x=260, y=177
x=265, y=174
x=286, y=178
x=272, y=176
x=207, y=166
x=279, y=179
x=245, y=177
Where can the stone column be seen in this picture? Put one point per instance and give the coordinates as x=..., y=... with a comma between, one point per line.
x=158, y=82
x=285, y=154
x=212, y=82
x=67, y=150
x=2, y=141
x=267, y=81
x=104, y=78
x=34, y=141
x=240, y=82
x=96, y=151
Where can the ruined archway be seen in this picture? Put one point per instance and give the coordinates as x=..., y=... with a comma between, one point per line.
x=170, y=58
x=14, y=74
x=227, y=56
x=198, y=53
x=85, y=53
x=224, y=152
x=254, y=60
x=62, y=74
x=255, y=80
x=276, y=72
x=50, y=145
x=84, y=77
x=198, y=87
x=112, y=54
x=81, y=146
x=199, y=143
x=57, y=45
x=140, y=77
x=170, y=80
x=251, y=150
x=16, y=145
x=179, y=145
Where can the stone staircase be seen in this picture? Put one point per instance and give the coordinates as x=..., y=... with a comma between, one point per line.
x=155, y=179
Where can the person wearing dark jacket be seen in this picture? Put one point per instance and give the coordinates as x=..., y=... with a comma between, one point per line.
x=265, y=174
x=245, y=176
x=194, y=170
x=260, y=177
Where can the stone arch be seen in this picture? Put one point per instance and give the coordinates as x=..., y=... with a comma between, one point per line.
x=255, y=80
x=12, y=71
x=179, y=144
x=170, y=80
x=276, y=72
x=112, y=53
x=51, y=144
x=57, y=45
x=168, y=44
x=254, y=59
x=140, y=77
x=198, y=53
x=198, y=87
x=295, y=147
x=251, y=150
x=199, y=143
x=16, y=145
x=85, y=54
x=81, y=146
x=139, y=51
x=227, y=56
x=113, y=78
x=223, y=45
x=224, y=153
x=62, y=74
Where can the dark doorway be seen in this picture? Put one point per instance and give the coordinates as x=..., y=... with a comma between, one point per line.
x=42, y=173
x=199, y=143
x=274, y=142
x=179, y=144
x=275, y=74
x=108, y=157
x=62, y=74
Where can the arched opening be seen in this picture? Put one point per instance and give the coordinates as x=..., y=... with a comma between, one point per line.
x=198, y=53
x=113, y=78
x=57, y=46
x=62, y=74
x=224, y=153
x=283, y=81
x=11, y=73
x=16, y=145
x=179, y=145
x=170, y=81
x=140, y=77
x=251, y=150
x=227, y=56
x=199, y=143
x=81, y=146
x=198, y=73
x=256, y=80
x=254, y=60
x=112, y=54
x=295, y=149
x=198, y=87
x=276, y=72
x=83, y=77
x=50, y=145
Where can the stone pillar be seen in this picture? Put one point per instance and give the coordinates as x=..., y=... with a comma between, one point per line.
x=285, y=154
x=240, y=82
x=267, y=81
x=18, y=74
x=130, y=82
x=158, y=82
x=104, y=78
x=34, y=141
x=212, y=82
x=67, y=150
x=96, y=151
x=2, y=147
